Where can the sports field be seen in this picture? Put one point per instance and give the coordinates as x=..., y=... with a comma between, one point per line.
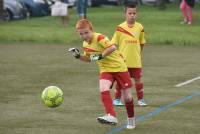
x=27, y=69
x=33, y=55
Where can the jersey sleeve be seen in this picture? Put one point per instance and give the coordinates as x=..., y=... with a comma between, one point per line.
x=85, y=53
x=104, y=41
x=142, y=36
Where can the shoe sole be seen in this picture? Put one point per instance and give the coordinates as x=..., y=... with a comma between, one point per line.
x=133, y=127
x=142, y=105
x=102, y=121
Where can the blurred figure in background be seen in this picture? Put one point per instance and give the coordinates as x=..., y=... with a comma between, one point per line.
x=65, y=19
x=60, y=9
x=186, y=8
x=81, y=7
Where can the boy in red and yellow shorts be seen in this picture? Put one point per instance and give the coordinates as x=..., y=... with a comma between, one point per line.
x=98, y=48
x=129, y=36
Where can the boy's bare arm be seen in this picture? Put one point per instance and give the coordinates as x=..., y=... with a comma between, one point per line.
x=109, y=50
x=84, y=58
x=106, y=52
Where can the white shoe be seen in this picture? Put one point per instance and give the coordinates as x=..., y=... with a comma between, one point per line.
x=189, y=22
x=184, y=22
x=130, y=123
x=141, y=102
x=107, y=119
x=117, y=102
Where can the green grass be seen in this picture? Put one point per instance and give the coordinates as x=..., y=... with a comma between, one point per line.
x=25, y=70
x=162, y=27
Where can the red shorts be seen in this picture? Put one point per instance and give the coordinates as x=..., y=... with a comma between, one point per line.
x=135, y=72
x=123, y=79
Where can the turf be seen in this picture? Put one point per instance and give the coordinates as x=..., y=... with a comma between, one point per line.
x=161, y=27
x=25, y=70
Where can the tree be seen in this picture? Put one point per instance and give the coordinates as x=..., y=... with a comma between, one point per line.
x=1, y=10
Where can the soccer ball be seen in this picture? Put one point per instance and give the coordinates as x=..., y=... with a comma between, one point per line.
x=52, y=96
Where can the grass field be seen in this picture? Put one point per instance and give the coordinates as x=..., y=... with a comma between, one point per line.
x=25, y=70
x=161, y=27
x=33, y=56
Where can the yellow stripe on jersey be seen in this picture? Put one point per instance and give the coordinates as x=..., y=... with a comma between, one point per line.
x=129, y=40
x=111, y=63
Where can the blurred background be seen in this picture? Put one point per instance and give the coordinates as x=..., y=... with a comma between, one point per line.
x=22, y=9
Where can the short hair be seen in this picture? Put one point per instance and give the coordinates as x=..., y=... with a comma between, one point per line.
x=129, y=5
x=84, y=23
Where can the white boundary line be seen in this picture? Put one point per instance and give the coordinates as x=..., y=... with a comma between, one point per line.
x=187, y=82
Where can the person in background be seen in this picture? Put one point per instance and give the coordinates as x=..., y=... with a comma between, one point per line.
x=60, y=9
x=186, y=8
x=65, y=19
x=129, y=37
x=81, y=7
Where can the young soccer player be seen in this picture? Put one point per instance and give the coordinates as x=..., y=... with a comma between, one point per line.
x=97, y=47
x=129, y=36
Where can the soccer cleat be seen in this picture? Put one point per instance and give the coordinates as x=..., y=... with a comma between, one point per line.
x=107, y=119
x=141, y=102
x=131, y=123
x=117, y=102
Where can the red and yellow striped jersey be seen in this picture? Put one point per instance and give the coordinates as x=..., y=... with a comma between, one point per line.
x=111, y=63
x=129, y=40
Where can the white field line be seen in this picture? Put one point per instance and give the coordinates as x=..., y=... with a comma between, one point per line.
x=187, y=82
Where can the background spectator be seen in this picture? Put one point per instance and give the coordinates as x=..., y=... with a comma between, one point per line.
x=81, y=7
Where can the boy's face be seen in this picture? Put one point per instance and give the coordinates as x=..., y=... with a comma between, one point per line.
x=85, y=34
x=131, y=14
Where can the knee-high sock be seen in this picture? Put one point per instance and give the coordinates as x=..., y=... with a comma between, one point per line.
x=139, y=90
x=107, y=102
x=130, y=108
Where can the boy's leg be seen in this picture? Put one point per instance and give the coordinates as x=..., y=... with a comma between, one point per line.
x=118, y=92
x=139, y=88
x=105, y=83
x=124, y=81
x=128, y=99
x=117, y=100
x=136, y=73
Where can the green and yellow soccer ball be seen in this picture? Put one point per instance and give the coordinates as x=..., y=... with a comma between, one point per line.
x=52, y=96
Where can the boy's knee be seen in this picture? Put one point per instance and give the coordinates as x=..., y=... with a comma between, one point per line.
x=128, y=99
x=105, y=85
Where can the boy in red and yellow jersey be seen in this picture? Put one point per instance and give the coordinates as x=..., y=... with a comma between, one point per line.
x=129, y=36
x=98, y=48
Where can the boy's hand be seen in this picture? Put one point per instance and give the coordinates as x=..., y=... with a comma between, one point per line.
x=95, y=57
x=75, y=52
